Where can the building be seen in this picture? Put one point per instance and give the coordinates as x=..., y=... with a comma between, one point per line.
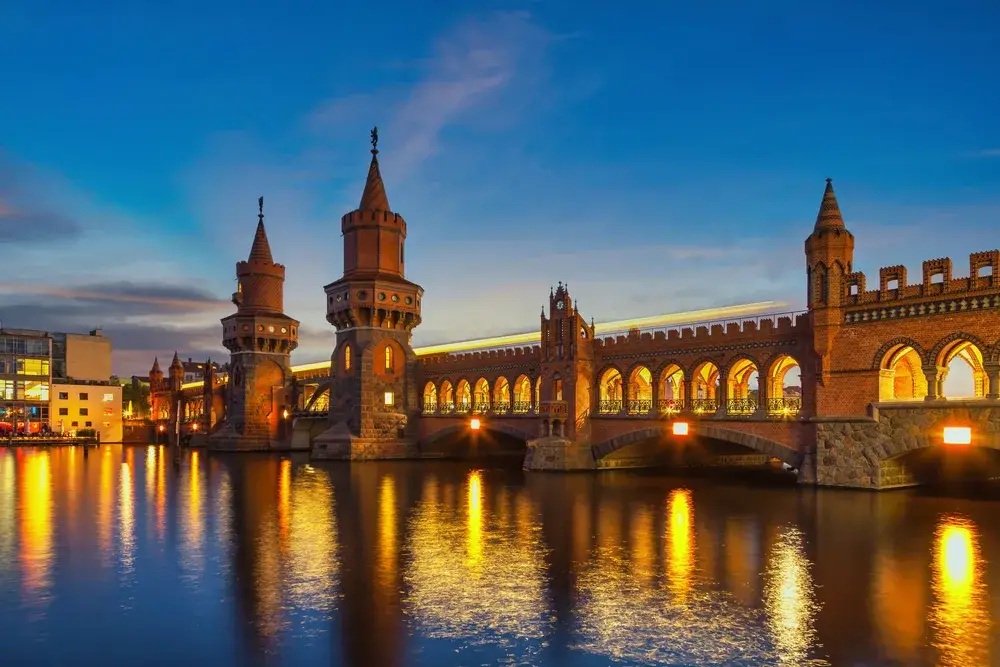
x=60, y=382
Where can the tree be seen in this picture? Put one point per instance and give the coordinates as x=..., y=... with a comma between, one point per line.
x=138, y=396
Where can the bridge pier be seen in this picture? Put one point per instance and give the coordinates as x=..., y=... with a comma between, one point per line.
x=337, y=442
x=558, y=454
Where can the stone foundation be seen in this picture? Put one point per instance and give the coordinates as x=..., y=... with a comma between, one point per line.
x=337, y=442
x=558, y=454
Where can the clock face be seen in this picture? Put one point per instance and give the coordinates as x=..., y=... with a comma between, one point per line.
x=560, y=305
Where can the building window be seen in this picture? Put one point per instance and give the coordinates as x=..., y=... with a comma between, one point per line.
x=63, y=395
x=388, y=357
x=83, y=412
x=109, y=412
x=64, y=412
x=32, y=366
x=347, y=357
x=88, y=424
x=84, y=396
x=108, y=398
x=390, y=398
x=106, y=424
x=74, y=424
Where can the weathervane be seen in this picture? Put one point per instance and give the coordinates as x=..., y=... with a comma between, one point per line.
x=260, y=206
x=374, y=136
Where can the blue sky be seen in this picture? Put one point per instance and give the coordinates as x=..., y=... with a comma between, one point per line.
x=657, y=156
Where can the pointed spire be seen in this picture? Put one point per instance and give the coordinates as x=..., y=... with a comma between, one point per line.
x=156, y=365
x=177, y=360
x=829, y=211
x=260, y=250
x=374, y=197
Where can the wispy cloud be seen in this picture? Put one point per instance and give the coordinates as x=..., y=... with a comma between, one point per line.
x=984, y=152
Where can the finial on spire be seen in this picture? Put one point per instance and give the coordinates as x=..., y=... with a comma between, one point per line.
x=260, y=207
x=374, y=137
x=829, y=216
x=374, y=197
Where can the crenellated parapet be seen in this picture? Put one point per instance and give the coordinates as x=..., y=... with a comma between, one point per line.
x=435, y=362
x=722, y=334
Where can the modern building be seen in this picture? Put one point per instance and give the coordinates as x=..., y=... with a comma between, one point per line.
x=58, y=381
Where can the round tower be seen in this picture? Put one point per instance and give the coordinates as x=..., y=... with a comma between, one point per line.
x=155, y=376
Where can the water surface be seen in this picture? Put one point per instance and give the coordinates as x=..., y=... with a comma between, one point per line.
x=128, y=555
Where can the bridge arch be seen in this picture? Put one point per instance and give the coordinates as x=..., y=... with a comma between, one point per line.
x=971, y=351
x=610, y=390
x=430, y=397
x=522, y=394
x=884, y=352
x=463, y=395
x=320, y=396
x=757, y=443
x=446, y=395
x=705, y=378
x=901, y=374
x=486, y=425
x=640, y=390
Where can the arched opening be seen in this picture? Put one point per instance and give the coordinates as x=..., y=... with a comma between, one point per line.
x=522, y=395
x=463, y=397
x=491, y=441
x=640, y=391
x=388, y=357
x=501, y=395
x=481, y=397
x=960, y=371
x=671, y=386
x=447, y=397
x=901, y=377
x=705, y=391
x=347, y=357
x=784, y=387
x=609, y=391
x=430, y=398
x=582, y=399
x=742, y=388
x=538, y=392
x=960, y=469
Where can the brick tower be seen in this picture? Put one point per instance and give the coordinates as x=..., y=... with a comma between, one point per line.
x=567, y=365
x=829, y=258
x=373, y=395
x=157, y=409
x=260, y=339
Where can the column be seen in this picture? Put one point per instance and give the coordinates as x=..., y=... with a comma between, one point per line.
x=992, y=380
x=933, y=384
x=763, y=394
x=722, y=397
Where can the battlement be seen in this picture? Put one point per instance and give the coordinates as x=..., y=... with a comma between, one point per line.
x=710, y=333
x=936, y=280
x=257, y=267
x=497, y=356
x=372, y=218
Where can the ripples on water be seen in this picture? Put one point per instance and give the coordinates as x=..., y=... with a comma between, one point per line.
x=141, y=556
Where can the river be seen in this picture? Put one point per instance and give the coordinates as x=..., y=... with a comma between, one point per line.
x=130, y=556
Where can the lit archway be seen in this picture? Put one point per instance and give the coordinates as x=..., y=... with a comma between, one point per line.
x=538, y=393
x=706, y=388
x=463, y=396
x=784, y=387
x=901, y=376
x=609, y=390
x=481, y=396
x=447, y=397
x=640, y=391
x=742, y=388
x=501, y=395
x=961, y=373
x=430, y=398
x=522, y=395
x=671, y=386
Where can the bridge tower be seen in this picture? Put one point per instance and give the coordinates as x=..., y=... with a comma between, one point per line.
x=829, y=258
x=156, y=387
x=373, y=392
x=567, y=367
x=260, y=339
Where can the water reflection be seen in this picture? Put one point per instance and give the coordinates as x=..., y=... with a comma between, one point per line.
x=959, y=613
x=287, y=562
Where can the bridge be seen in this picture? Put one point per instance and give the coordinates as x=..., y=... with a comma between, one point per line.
x=852, y=391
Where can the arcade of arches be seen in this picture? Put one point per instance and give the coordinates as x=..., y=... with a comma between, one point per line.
x=956, y=371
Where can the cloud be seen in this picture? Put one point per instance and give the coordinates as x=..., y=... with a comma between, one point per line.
x=985, y=152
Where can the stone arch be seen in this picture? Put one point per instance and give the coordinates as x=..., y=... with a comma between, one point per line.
x=481, y=396
x=522, y=394
x=878, y=363
x=939, y=349
x=317, y=401
x=639, y=390
x=485, y=425
x=501, y=394
x=670, y=378
x=755, y=442
x=777, y=399
x=705, y=379
x=972, y=351
x=463, y=395
x=430, y=398
x=446, y=396
x=742, y=398
x=994, y=354
x=610, y=390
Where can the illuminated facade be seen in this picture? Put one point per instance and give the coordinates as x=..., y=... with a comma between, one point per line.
x=87, y=406
x=826, y=390
x=25, y=379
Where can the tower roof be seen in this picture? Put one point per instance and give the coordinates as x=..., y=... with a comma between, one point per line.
x=261, y=250
x=829, y=210
x=176, y=361
x=156, y=365
x=374, y=197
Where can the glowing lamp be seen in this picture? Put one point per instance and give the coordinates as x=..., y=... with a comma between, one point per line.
x=162, y=428
x=680, y=428
x=390, y=399
x=194, y=427
x=474, y=423
x=284, y=413
x=957, y=435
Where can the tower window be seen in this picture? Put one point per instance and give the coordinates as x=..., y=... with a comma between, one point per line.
x=347, y=357
x=388, y=358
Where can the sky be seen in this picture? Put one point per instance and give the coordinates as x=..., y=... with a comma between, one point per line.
x=657, y=156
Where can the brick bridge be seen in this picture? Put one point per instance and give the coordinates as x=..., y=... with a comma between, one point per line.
x=842, y=392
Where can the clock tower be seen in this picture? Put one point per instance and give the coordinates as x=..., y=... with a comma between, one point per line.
x=373, y=392
x=567, y=365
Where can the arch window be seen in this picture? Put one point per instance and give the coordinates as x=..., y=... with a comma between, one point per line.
x=901, y=376
x=960, y=371
x=742, y=388
x=784, y=387
x=522, y=395
x=347, y=357
x=610, y=392
x=501, y=395
x=671, y=389
x=430, y=398
x=481, y=397
x=640, y=391
x=447, y=397
x=463, y=397
x=706, y=387
x=388, y=357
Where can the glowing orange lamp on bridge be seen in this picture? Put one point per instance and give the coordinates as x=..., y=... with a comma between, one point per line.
x=680, y=428
x=957, y=435
x=474, y=423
